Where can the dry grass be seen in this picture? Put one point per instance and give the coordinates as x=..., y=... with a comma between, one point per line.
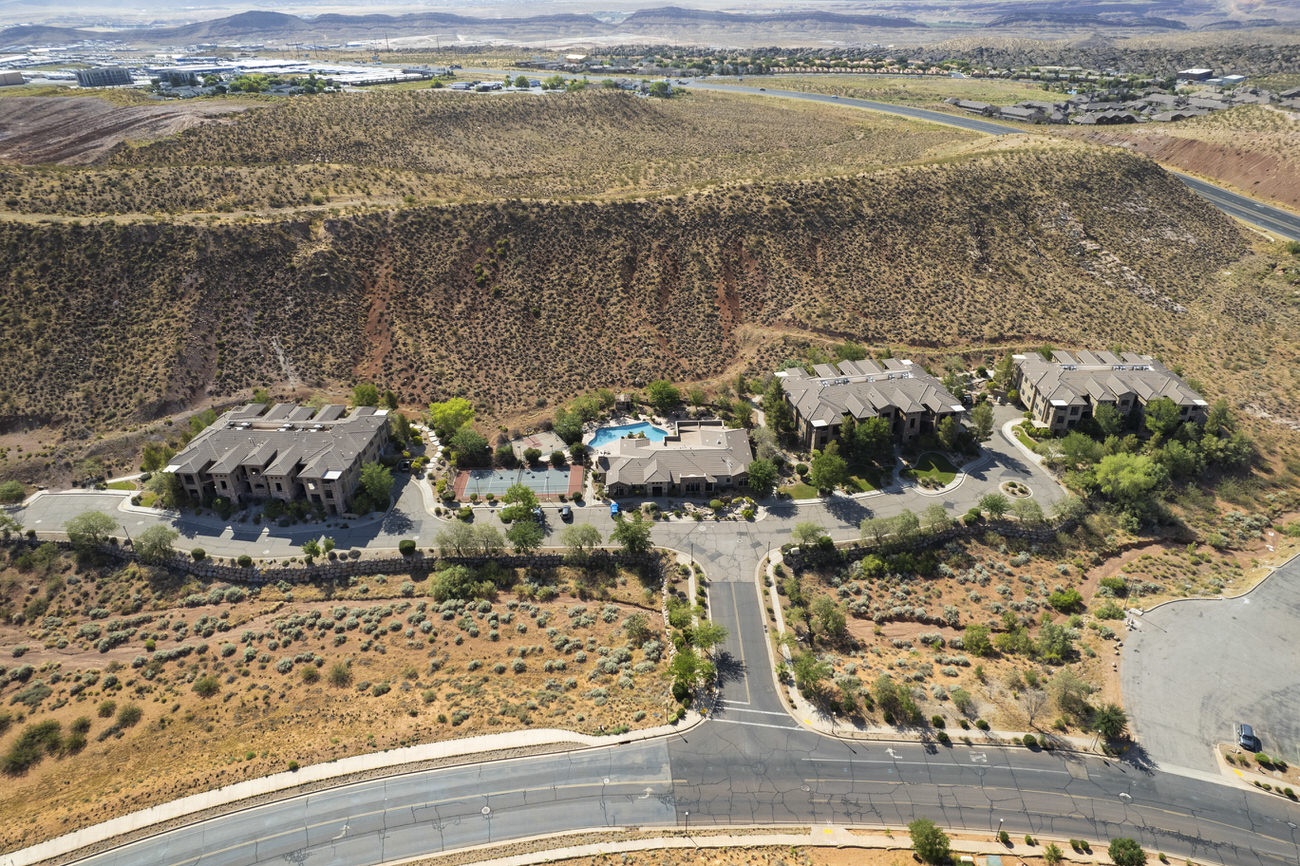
x=926, y=91
x=1255, y=149
x=417, y=671
x=360, y=151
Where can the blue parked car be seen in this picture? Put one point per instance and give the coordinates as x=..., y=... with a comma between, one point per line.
x=613, y=509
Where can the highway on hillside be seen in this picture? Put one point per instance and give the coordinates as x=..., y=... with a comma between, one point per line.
x=1267, y=217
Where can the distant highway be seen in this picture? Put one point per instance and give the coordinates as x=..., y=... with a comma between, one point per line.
x=1270, y=219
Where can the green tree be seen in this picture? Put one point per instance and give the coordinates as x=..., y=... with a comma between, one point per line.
x=154, y=544
x=525, y=535
x=455, y=539
x=1069, y=693
x=519, y=502
x=1161, y=417
x=377, y=482
x=206, y=686
x=580, y=538
x=1003, y=371
x=632, y=534
x=1052, y=854
x=776, y=413
x=1027, y=511
x=929, y=842
x=469, y=447
x=1108, y=418
x=89, y=530
x=873, y=440
x=975, y=640
x=660, y=89
x=810, y=672
x=663, y=396
x=154, y=457
x=167, y=489
x=488, y=540
x=806, y=532
x=829, y=618
x=1055, y=642
x=689, y=671
x=365, y=394
x=1110, y=721
x=981, y=419
x=1126, y=852
x=449, y=416
x=521, y=81
x=1128, y=479
x=707, y=635
x=995, y=504
x=762, y=477
x=742, y=413
x=947, y=431
x=12, y=491
x=828, y=469
x=568, y=426
x=637, y=629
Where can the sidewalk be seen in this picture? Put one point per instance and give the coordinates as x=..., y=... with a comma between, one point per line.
x=230, y=796
x=818, y=836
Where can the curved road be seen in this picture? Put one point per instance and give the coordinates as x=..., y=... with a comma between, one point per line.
x=750, y=763
x=1245, y=208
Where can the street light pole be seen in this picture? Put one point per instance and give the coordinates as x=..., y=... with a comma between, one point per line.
x=688, y=822
x=999, y=836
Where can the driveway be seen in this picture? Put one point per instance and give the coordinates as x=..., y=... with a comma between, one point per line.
x=1192, y=668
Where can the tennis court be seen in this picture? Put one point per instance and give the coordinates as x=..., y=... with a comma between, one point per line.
x=546, y=483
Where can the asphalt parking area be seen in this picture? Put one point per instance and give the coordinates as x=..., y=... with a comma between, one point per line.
x=1193, y=668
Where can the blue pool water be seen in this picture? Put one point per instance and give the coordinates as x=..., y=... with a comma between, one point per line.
x=606, y=435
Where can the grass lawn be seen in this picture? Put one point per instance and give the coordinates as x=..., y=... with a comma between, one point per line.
x=933, y=466
x=799, y=490
x=120, y=485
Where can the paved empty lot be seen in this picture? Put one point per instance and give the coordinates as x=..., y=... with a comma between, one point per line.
x=1192, y=668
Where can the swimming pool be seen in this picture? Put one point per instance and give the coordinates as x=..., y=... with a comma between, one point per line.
x=606, y=435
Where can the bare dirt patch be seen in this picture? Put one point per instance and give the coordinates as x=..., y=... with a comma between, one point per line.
x=80, y=130
x=1255, y=149
x=232, y=683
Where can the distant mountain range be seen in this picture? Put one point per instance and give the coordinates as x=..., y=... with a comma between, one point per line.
x=666, y=22
x=670, y=24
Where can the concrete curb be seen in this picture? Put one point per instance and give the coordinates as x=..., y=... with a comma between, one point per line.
x=231, y=796
x=816, y=836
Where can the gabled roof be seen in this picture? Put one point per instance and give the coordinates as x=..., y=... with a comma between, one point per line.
x=865, y=389
x=699, y=450
x=1087, y=377
x=284, y=440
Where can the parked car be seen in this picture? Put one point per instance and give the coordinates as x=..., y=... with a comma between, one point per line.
x=404, y=466
x=566, y=514
x=613, y=509
x=539, y=516
x=1246, y=737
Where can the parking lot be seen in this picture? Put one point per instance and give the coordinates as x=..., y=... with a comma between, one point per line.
x=1191, y=669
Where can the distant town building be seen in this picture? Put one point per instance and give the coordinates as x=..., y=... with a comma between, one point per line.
x=104, y=76
x=901, y=392
x=288, y=452
x=9, y=79
x=1197, y=74
x=703, y=458
x=1067, y=389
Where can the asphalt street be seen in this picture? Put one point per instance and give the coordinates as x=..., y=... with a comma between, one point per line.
x=725, y=774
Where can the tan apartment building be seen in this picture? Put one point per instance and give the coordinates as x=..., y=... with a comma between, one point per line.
x=1067, y=389
x=287, y=452
x=901, y=392
x=702, y=458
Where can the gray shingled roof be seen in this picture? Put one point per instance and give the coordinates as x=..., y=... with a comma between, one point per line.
x=863, y=388
x=275, y=445
x=706, y=452
x=1080, y=378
